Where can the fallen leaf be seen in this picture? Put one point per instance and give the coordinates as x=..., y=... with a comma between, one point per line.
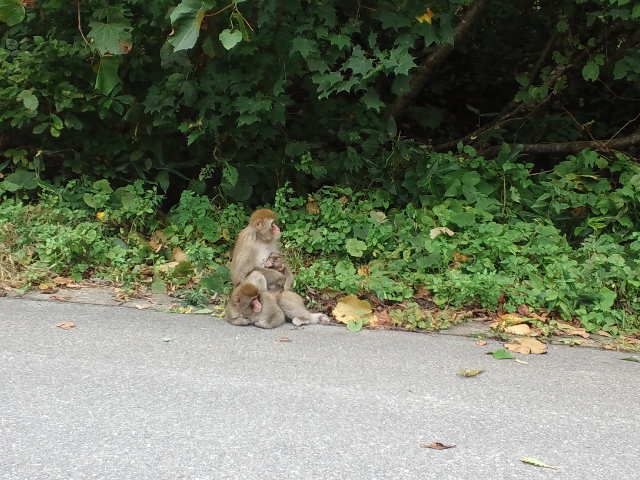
x=470, y=373
x=63, y=280
x=460, y=257
x=66, y=325
x=481, y=343
x=350, y=309
x=631, y=359
x=610, y=346
x=47, y=288
x=524, y=310
x=101, y=215
x=202, y=311
x=569, y=329
x=363, y=270
x=312, y=206
x=381, y=319
x=436, y=445
x=521, y=329
x=633, y=341
x=141, y=306
x=526, y=346
x=603, y=333
x=517, y=360
x=570, y=341
x=501, y=354
x=436, y=232
x=508, y=319
x=535, y=462
x=178, y=255
x=284, y=340
x=165, y=267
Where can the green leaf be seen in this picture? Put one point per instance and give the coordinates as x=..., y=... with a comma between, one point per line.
x=463, y=219
x=107, y=78
x=229, y=176
x=110, y=38
x=12, y=12
x=635, y=13
x=29, y=100
x=230, y=38
x=501, y=354
x=21, y=179
x=372, y=101
x=186, y=20
x=591, y=71
x=535, y=462
x=355, y=325
x=631, y=359
x=355, y=247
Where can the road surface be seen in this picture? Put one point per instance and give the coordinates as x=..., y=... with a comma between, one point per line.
x=131, y=394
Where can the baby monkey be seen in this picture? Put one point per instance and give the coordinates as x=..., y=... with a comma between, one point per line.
x=276, y=273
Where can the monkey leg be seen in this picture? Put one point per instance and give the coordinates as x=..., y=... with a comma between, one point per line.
x=293, y=307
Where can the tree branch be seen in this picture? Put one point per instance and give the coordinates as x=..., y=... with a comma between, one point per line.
x=574, y=147
x=429, y=64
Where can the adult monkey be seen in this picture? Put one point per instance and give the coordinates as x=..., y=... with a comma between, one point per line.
x=255, y=244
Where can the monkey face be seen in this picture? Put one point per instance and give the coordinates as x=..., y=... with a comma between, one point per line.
x=256, y=306
x=268, y=230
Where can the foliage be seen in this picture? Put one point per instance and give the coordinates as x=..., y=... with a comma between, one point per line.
x=238, y=98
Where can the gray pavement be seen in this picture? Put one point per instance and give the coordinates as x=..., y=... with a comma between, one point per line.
x=111, y=399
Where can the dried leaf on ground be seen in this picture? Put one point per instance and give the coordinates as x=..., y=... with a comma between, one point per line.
x=381, y=319
x=47, y=288
x=570, y=341
x=509, y=319
x=165, y=267
x=526, y=346
x=481, y=343
x=350, y=308
x=66, y=325
x=437, y=446
x=610, y=346
x=178, y=255
x=62, y=281
x=60, y=298
x=603, y=333
x=535, y=462
x=521, y=329
x=470, y=373
x=632, y=340
x=284, y=340
x=141, y=306
x=157, y=240
x=522, y=362
x=436, y=232
x=569, y=329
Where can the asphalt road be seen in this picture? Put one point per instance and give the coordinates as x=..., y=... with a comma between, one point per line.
x=113, y=399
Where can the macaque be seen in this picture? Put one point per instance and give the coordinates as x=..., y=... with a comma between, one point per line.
x=276, y=273
x=293, y=307
x=249, y=306
x=255, y=244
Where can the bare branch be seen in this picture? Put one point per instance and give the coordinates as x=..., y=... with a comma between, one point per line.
x=428, y=66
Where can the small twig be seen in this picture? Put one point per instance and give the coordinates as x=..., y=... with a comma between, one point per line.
x=624, y=126
x=220, y=11
x=80, y=24
x=578, y=124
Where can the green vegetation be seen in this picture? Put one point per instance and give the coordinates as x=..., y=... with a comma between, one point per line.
x=483, y=233
x=482, y=151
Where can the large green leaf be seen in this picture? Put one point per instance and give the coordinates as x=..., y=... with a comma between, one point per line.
x=11, y=12
x=20, y=180
x=107, y=77
x=29, y=100
x=186, y=20
x=113, y=38
x=230, y=38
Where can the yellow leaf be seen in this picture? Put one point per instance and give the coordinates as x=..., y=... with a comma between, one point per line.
x=179, y=255
x=425, y=17
x=470, y=373
x=101, y=215
x=521, y=329
x=66, y=325
x=526, y=346
x=351, y=308
x=508, y=319
x=312, y=206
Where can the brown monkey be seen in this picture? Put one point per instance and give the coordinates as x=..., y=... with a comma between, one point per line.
x=276, y=273
x=255, y=243
x=249, y=306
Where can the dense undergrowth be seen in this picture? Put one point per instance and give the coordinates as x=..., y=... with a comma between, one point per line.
x=471, y=232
